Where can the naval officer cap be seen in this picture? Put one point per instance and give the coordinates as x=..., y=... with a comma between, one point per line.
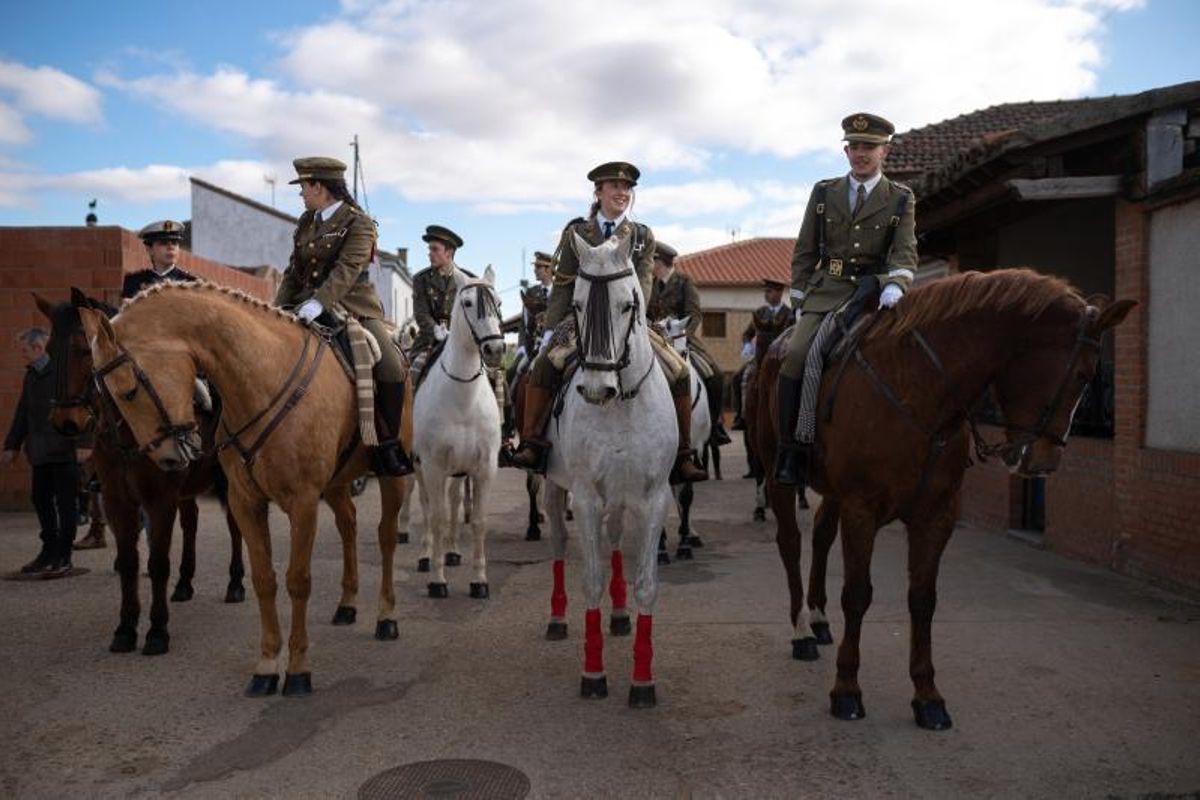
x=867, y=128
x=166, y=230
x=318, y=168
x=665, y=252
x=615, y=171
x=442, y=234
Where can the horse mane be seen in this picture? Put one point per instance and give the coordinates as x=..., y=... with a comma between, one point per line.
x=1020, y=291
x=208, y=287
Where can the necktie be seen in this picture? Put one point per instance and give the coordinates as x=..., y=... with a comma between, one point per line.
x=608, y=229
x=318, y=218
x=859, y=199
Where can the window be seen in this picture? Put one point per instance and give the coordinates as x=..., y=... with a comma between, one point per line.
x=712, y=325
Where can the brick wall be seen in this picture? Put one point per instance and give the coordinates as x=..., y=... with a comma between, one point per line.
x=50, y=261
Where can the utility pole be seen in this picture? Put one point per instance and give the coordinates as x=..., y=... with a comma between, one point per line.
x=524, y=282
x=354, y=144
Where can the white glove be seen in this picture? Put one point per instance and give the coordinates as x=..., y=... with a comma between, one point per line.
x=439, y=332
x=517, y=356
x=309, y=310
x=546, y=336
x=796, y=314
x=890, y=295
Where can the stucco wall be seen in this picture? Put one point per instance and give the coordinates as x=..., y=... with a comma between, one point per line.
x=238, y=234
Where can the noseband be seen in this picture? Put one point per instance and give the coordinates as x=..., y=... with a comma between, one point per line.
x=586, y=336
x=180, y=432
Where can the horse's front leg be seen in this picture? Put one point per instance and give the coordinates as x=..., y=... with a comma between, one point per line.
x=480, y=485
x=825, y=527
x=121, y=511
x=251, y=516
x=618, y=589
x=533, y=532
x=683, y=500
x=235, y=591
x=302, y=517
x=459, y=492
x=426, y=530
x=926, y=542
x=556, y=502
x=162, y=524
x=404, y=516
x=435, y=521
x=189, y=521
x=345, y=516
x=647, y=520
x=859, y=527
x=392, y=492
x=789, y=543
x=593, y=683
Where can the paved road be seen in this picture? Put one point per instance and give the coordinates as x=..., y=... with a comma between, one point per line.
x=1063, y=680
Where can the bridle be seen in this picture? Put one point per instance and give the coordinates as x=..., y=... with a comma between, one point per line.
x=585, y=343
x=485, y=304
x=181, y=432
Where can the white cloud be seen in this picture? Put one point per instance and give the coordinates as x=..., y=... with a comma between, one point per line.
x=693, y=199
x=49, y=92
x=12, y=126
x=689, y=239
x=152, y=183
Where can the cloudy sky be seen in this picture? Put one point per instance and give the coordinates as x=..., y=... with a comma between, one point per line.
x=486, y=116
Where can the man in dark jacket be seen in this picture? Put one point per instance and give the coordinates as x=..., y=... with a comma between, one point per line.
x=53, y=457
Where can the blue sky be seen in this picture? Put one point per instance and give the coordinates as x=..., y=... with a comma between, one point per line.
x=485, y=117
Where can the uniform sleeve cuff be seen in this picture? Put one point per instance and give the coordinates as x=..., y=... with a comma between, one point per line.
x=901, y=273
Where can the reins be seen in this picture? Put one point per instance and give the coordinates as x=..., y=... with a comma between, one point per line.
x=167, y=429
x=486, y=300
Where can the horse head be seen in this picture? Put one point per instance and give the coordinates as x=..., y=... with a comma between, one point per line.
x=1039, y=390
x=71, y=409
x=477, y=314
x=158, y=410
x=675, y=331
x=608, y=306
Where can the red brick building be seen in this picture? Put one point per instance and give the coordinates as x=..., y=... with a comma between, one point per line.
x=1106, y=193
x=50, y=261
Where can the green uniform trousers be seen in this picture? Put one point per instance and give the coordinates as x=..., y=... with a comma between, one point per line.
x=390, y=368
x=797, y=351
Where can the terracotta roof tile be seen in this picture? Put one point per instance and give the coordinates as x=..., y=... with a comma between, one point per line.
x=743, y=263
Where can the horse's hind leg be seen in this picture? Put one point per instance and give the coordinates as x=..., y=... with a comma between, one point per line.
x=825, y=525
x=189, y=520
x=858, y=544
x=556, y=500
x=426, y=529
x=593, y=683
x=162, y=524
x=478, y=493
x=789, y=543
x=926, y=542
x=683, y=499
x=460, y=496
x=618, y=623
x=404, y=517
x=391, y=495
x=345, y=516
x=534, y=531
x=435, y=521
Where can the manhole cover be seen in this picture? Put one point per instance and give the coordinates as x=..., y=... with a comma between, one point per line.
x=446, y=779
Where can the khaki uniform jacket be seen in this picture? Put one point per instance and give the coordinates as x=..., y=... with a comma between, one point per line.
x=855, y=241
x=533, y=316
x=567, y=263
x=433, y=301
x=679, y=298
x=329, y=263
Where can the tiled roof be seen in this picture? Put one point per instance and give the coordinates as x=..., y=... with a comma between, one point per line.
x=743, y=263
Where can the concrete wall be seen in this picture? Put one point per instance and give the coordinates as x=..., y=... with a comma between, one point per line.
x=1173, y=407
x=1072, y=240
x=239, y=233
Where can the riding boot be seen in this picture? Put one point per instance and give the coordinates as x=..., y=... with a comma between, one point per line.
x=791, y=465
x=390, y=458
x=715, y=386
x=533, y=450
x=685, y=469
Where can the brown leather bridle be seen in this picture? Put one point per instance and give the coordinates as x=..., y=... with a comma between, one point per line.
x=181, y=432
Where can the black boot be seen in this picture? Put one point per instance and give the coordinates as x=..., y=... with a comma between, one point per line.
x=390, y=458
x=715, y=386
x=790, y=464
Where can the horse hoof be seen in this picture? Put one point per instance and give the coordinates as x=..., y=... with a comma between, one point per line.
x=345, y=615
x=683, y=554
x=619, y=626
x=642, y=697
x=593, y=687
x=533, y=534
x=401, y=538
x=694, y=540
x=157, y=643
x=663, y=558
x=760, y=515
x=124, y=641
x=821, y=632
x=235, y=593
x=422, y=565
x=262, y=685
x=847, y=706
x=297, y=685
x=932, y=715
x=805, y=649
x=183, y=592
x=386, y=630
x=556, y=631
x=453, y=559
x=479, y=591
x=438, y=590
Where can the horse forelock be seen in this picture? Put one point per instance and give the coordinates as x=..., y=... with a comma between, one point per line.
x=1022, y=292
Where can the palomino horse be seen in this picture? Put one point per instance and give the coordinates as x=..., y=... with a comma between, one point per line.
x=289, y=433
x=457, y=426
x=130, y=481
x=893, y=433
x=676, y=334
x=612, y=448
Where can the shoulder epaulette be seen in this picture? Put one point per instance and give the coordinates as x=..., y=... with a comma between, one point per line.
x=419, y=273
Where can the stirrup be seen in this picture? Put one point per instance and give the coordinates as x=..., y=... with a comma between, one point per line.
x=390, y=459
x=685, y=469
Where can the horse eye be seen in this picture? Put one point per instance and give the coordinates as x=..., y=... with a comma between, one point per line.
x=128, y=396
x=627, y=308
x=466, y=303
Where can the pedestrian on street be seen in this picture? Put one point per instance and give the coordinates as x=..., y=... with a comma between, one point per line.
x=52, y=456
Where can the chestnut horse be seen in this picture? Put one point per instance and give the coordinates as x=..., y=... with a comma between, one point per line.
x=129, y=481
x=893, y=441
x=289, y=433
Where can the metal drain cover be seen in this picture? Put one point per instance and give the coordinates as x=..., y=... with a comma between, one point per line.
x=448, y=779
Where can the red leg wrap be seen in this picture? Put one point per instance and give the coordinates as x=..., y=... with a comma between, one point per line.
x=616, y=587
x=593, y=643
x=643, y=650
x=558, y=598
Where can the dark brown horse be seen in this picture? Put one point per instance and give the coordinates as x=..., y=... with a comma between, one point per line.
x=129, y=482
x=893, y=441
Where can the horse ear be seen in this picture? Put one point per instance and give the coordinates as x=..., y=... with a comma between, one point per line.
x=100, y=335
x=1112, y=315
x=489, y=276
x=683, y=323
x=624, y=248
x=79, y=299
x=580, y=244
x=44, y=305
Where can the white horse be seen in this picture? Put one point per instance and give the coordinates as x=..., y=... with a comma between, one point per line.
x=612, y=447
x=676, y=333
x=456, y=425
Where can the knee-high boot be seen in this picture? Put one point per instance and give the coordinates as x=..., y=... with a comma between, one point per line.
x=685, y=469
x=715, y=386
x=390, y=458
x=791, y=464
x=533, y=450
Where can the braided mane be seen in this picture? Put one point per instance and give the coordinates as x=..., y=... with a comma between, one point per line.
x=209, y=287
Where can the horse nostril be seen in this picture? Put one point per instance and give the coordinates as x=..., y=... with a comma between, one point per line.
x=609, y=392
x=579, y=388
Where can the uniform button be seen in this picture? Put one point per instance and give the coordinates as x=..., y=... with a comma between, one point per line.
x=856, y=244
x=316, y=274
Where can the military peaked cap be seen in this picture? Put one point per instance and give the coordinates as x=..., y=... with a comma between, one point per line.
x=542, y=259
x=444, y=235
x=166, y=230
x=318, y=168
x=867, y=128
x=615, y=171
x=665, y=251
x=772, y=284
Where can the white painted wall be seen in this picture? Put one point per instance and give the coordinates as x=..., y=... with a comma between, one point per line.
x=237, y=233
